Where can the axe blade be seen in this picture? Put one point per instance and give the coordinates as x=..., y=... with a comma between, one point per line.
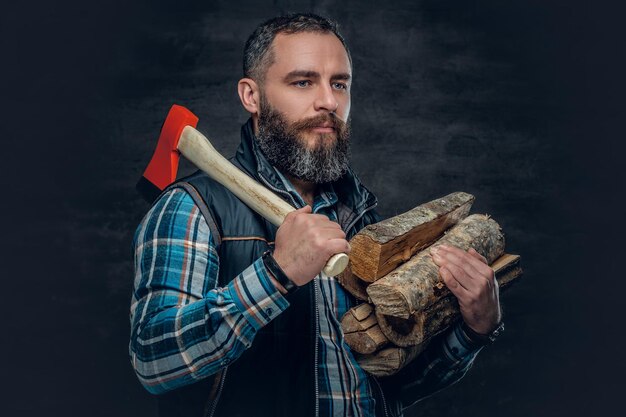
x=163, y=167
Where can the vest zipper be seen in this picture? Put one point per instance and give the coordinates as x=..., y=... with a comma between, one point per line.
x=217, y=396
x=315, y=294
x=281, y=192
x=360, y=215
x=317, y=332
x=382, y=396
x=317, y=318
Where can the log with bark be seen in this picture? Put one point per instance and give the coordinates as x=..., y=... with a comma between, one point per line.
x=442, y=312
x=391, y=359
x=363, y=332
x=413, y=285
x=379, y=248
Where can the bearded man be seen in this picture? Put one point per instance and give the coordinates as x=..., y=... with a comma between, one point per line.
x=233, y=317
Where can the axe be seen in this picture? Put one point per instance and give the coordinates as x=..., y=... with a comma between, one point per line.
x=179, y=136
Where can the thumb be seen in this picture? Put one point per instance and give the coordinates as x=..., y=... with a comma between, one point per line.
x=305, y=209
x=292, y=215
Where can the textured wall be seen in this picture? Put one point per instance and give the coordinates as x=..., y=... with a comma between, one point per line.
x=516, y=102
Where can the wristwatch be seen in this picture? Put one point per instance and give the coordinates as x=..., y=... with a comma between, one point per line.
x=482, y=339
x=275, y=269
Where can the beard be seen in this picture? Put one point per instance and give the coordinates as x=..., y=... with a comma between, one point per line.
x=285, y=146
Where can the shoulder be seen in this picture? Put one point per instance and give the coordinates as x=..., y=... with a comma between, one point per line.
x=174, y=215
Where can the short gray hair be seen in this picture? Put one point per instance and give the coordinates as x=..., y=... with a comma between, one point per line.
x=257, y=54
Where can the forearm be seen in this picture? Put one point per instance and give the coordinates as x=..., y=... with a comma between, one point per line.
x=175, y=346
x=182, y=327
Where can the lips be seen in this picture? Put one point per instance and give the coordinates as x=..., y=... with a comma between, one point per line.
x=327, y=127
x=323, y=128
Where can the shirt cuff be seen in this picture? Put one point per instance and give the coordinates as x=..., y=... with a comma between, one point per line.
x=457, y=344
x=256, y=295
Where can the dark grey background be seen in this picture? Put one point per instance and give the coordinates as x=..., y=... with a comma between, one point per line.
x=517, y=102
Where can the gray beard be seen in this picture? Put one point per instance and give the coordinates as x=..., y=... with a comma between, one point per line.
x=284, y=147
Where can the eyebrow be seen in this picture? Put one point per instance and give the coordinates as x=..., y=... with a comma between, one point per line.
x=314, y=74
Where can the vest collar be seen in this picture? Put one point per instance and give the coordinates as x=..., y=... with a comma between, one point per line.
x=350, y=192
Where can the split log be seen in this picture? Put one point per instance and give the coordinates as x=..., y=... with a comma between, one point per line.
x=379, y=248
x=353, y=284
x=361, y=329
x=388, y=361
x=439, y=315
x=413, y=285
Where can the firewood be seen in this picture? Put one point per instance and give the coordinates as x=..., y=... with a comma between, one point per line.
x=388, y=361
x=415, y=284
x=361, y=329
x=392, y=359
x=364, y=334
x=379, y=248
x=353, y=284
x=426, y=323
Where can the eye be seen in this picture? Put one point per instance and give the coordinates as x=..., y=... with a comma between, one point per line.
x=302, y=83
x=340, y=86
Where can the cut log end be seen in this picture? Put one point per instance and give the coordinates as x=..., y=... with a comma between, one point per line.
x=361, y=329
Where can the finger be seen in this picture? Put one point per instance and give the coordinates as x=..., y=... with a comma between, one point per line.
x=334, y=246
x=437, y=254
x=453, y=285
x=482, y=278
x=459, y=260
x=477, y=255
x=476, y=268
x=459, y=276
x=320, y=219
x=293, y=214
x=330, y=233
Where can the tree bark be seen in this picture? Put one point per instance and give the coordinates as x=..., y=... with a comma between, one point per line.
x=379, y=248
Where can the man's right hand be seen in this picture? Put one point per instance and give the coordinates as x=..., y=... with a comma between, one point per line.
x=305, y=242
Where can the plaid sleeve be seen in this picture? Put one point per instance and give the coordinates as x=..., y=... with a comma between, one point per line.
x=445, y=361
x=183, y=328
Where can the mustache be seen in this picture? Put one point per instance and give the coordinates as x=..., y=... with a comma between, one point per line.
x=331, y=119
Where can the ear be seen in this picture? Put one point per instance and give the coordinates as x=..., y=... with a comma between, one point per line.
x=249, y=94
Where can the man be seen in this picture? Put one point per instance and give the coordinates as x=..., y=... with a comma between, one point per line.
x=218, y=327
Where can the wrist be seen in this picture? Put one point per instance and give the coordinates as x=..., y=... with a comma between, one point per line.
x=276, y=271
x=482, y=339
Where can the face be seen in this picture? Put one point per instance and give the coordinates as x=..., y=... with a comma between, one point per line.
x=304, y=107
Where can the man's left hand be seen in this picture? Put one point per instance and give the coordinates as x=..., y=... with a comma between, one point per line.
x=472, y=281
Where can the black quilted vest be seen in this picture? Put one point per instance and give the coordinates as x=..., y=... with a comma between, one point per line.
x=276, y=375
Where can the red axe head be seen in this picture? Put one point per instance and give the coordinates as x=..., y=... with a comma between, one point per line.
x=163, y=166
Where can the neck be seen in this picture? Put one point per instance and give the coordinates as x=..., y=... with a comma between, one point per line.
x=306, y=189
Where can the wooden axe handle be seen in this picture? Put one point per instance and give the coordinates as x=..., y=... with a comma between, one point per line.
x=197, y=148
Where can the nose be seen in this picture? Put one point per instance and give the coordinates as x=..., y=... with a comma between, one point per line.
x=326, y=100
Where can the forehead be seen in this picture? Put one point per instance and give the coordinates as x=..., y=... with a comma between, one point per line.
x=309, y=51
